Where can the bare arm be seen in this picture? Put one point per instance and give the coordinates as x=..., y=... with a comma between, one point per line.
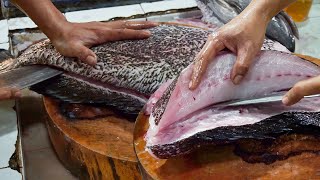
x=243, y=36
x=48, y=18
x=74, y=39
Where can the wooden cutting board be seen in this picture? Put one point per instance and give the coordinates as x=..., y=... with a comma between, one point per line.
x=297, y=157
x=93, y=147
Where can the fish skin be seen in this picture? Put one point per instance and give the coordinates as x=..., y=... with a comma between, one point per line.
x=136, y=58
x=138, y=66
x=281, y=28
x=69, y=89
x=148, y=64
x=271, y=128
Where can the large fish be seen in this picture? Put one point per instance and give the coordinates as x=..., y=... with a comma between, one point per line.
x=281, y=28
x=182, y=120
x=127, y=72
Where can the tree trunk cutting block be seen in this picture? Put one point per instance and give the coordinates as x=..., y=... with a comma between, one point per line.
x=93, y=148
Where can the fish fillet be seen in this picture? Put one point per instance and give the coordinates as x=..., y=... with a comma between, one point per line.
x=184, y=111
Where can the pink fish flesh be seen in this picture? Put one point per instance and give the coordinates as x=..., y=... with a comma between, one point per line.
x=181, y=113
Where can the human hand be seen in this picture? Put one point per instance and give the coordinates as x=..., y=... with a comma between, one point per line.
x=303, y=88
x=75, y=39
x=243, y=36
x=9, y=93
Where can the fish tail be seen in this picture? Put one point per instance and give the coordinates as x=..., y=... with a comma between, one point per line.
x=289, y=21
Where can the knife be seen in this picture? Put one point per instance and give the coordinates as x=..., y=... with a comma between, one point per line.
x=266, y=99
x=27, y=76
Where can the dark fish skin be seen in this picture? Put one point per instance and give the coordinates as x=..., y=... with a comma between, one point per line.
x=281, y=28
x=70, y=90
x=270, y=128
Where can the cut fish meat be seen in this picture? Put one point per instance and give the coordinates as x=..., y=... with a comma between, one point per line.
x=180, y=108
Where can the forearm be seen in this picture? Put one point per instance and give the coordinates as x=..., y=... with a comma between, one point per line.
x=266, y=9
x=48, y=18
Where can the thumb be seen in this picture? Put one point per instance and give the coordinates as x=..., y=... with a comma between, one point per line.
x=84, y=54
x=303, y=88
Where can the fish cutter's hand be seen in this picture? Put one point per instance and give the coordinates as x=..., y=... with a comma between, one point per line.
x=9, y=93
x=303, y=88
x=243, y=35
x=76, y=38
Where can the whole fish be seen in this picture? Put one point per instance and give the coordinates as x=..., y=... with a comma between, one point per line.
x=127, y=72
x=182, y=120
x=281, y=28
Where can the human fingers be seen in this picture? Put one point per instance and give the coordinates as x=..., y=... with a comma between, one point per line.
x=208, y=52
x=303, y=88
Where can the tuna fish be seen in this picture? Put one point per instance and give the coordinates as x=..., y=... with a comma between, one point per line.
x=127, y=72
x=182, y=120
x=281, y=28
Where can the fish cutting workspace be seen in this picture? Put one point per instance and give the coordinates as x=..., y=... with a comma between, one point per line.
x=159, y=89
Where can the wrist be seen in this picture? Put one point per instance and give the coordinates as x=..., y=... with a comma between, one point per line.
x=260, y=12
x=56, y=27
x=48, y=18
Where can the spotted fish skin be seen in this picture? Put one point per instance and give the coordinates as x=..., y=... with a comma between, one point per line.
x=127, y=72
x=139, y=65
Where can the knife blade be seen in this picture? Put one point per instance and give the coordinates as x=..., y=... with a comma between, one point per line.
x=261, y=100
x=27, y=76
